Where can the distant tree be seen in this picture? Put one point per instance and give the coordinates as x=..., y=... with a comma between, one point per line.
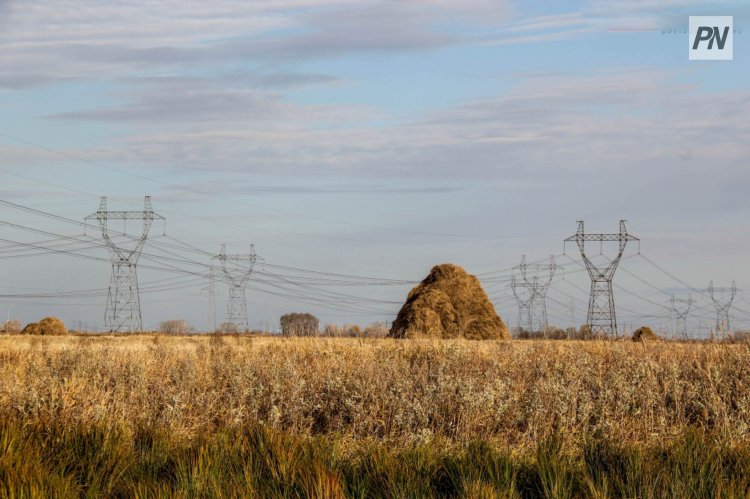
x=296, y=324
x=351, y=330
x=11, y=327
x=175, y=327
x=376, y=330
x=556, y=333
x=331, y=330
x=522, y=333
x=552, y=333
x=584, y=332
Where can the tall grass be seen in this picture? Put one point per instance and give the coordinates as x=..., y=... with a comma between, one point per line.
x=517, y=393
x=236, y=416
x=57, y=461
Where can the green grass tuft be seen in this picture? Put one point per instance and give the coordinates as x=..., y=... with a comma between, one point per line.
x=60, y=461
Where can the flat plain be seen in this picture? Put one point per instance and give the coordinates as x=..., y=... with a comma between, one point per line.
x=156, y=415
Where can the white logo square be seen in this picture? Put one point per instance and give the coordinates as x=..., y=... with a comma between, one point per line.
x=711, y=38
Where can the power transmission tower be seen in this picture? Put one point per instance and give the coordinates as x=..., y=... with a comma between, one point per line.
x=524, y=296
x=123, y=311
x=535, y=280
x=680, y=309
x=237, y=270
x=601, y=316
x=722, y=306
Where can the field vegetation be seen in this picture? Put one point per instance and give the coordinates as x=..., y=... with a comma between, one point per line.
x=204, y=416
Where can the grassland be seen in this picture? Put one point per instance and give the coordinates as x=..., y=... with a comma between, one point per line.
x=241, y=416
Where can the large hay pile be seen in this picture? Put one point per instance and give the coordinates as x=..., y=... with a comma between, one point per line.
x=49, y=326
x=644, y=333
x=449, y=303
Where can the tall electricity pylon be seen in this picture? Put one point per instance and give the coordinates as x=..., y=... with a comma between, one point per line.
x=680, y=309
x=601, y=316
x=535, y=280
x=524, y=297
x=237, y=270
x=722, y=306
x=123, y=311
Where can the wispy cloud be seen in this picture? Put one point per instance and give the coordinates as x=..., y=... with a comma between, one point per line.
x=241, y=99
x=549, y=128
x=191, y=192
x=541, y=29
x=119, y=39
x=51, y=41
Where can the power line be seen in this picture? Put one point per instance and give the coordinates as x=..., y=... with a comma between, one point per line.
x=240, y=202
x=191, y=248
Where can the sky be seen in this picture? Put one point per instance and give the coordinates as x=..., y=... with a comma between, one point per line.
x=370, y=139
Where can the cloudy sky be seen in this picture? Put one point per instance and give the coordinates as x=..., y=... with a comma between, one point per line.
x=370, y=139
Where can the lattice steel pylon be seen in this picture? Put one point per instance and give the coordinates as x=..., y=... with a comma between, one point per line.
x=123, y=311
x=722, y=307
x=680, y=310
x=237, y=270
x=524, y=297
x=535, y=280
x=601, y=317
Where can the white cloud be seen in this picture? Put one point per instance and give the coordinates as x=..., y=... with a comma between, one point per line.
x=45, y=41
x=547, y=128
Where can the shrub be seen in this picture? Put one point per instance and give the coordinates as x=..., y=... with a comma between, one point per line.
x=376, y=330
x=296, y=324
x=524, y=334
x=331, y=330
x=11, y=327
x=556, y=333
x=175, y=327
x=585, y=333
x=351, y=330
x=552, y=333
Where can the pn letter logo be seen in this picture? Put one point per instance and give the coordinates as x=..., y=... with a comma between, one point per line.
x=711, y=38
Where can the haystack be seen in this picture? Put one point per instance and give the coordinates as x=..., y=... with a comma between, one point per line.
x=49, y=326
x=449, y=303
x=644, y=333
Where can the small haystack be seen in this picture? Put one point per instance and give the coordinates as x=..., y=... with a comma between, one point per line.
x=49, y=326
x=449, y=303
x=644, y=333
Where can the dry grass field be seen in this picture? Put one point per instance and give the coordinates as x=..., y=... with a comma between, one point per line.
x=310, y=417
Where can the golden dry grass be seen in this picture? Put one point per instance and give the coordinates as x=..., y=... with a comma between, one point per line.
x=401, y=392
